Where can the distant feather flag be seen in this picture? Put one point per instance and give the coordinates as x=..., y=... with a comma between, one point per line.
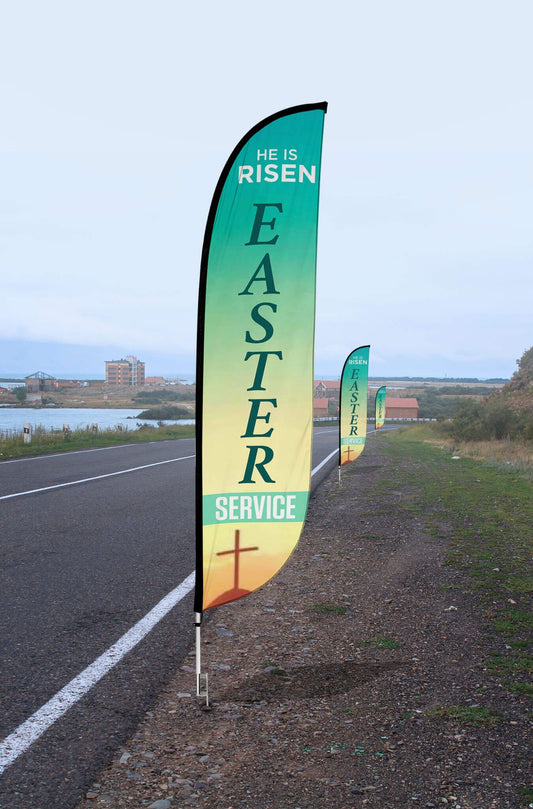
x=353, y=405
x=380, y=407
x=256, y=321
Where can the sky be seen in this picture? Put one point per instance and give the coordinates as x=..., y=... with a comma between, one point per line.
x=118, y=117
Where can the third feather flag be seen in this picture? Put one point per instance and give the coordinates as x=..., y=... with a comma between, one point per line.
x=256, y=321
x=353, y=405
x=380, y=407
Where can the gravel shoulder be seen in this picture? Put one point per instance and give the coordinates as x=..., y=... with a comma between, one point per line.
x=333, y=685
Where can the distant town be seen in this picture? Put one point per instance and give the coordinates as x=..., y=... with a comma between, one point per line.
x=124, y=380
x=125, y=384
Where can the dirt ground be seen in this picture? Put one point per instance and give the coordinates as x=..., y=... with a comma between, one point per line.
x=324, y=682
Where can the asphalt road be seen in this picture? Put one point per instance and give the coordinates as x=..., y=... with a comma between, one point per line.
x=90, y=543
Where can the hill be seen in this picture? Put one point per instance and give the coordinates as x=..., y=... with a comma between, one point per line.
x=518, y=392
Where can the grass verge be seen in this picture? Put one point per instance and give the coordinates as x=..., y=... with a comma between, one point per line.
x=485, y=508
x=48, y=441
x=328, y=609
x=465, y=715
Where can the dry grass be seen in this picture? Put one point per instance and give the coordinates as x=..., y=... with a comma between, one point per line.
x=510, y=453
x=516, y=455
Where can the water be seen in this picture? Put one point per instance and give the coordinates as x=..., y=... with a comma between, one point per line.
x=53, y=418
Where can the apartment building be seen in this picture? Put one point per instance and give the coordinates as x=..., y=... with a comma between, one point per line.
x=127, y=371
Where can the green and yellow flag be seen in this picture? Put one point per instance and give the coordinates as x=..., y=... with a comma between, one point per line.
x=353, y=405
x=256, y=321
x=380, y=406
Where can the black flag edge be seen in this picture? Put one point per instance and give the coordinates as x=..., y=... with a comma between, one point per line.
x=199, y=577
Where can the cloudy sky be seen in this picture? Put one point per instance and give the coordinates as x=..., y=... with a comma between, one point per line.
x=118, y=116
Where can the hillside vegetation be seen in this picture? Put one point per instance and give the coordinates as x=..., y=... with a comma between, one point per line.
x=505, y=414
x=518, y=392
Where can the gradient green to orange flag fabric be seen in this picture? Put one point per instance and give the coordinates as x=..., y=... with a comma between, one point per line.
x=353, y=405
x=380, y=406
x=255, y=356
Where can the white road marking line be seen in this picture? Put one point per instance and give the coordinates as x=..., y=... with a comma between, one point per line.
x=331, y=454
x=66, y=454
x=97, y=477
x=324, y=462
x=122, y=472
x=29, y=731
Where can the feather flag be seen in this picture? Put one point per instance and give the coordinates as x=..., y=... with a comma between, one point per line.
x=255, y=356
x=380, y=407
x=353, y=405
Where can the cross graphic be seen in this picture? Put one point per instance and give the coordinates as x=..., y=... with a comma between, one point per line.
x=347, y=453
x=237, y=550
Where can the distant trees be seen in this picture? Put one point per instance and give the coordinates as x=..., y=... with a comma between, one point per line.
x=165, y=413
x=159, y=396
x=440, y=402
x=432, y=404
x=21, y=394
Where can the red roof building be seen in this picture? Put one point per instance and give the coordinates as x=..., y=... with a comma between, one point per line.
x=401, y=408
x=327, y=388
x=320, y=408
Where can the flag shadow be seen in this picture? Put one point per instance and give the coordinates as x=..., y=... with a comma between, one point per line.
x=305, y=682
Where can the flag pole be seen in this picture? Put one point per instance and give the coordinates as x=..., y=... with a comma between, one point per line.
x=340, y=430
x=199, y=675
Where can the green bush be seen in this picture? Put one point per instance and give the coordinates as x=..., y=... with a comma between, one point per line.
x=488, y=420
x=499, y=420
x=467, y=424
